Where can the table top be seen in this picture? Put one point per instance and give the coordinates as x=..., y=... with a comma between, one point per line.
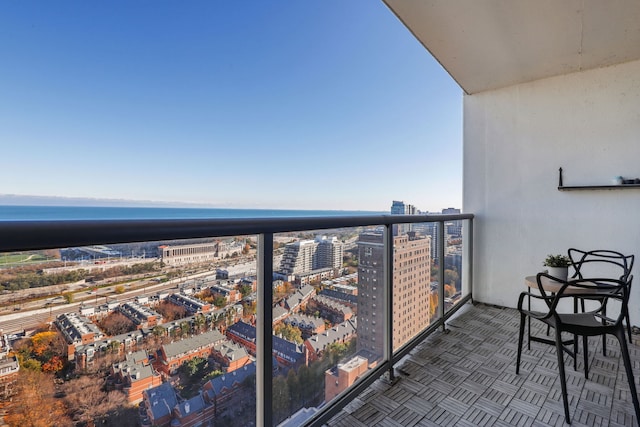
x=551, y=285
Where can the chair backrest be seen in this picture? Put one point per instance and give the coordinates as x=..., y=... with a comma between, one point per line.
x=600, y=263
x=604, y=289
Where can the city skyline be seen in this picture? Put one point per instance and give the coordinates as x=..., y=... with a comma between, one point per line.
x=226, y=105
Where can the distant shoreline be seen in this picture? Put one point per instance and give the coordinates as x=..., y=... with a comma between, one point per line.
x=53, y=213
x=85, y=202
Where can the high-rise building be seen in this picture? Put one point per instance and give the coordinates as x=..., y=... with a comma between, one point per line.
x=309, y=255
x=411, y=289
x=401, y=208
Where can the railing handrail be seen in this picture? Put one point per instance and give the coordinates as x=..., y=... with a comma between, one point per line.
x=34, y=235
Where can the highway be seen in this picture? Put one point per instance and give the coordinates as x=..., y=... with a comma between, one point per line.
x=34, y=314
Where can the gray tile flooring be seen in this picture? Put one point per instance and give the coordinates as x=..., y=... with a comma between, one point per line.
x=466, y=377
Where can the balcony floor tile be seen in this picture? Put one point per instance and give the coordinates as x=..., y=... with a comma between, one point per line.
x=467, y=378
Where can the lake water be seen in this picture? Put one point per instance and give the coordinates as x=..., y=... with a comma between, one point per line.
x=51, y=213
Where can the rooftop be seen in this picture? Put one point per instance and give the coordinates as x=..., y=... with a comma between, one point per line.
x=466, y=377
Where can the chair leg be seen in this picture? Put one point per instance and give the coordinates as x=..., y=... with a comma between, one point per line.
x=575, y=352
x=585, y=350
x=563, y=380
x=626, y=316
x=604, y=336
x=627, y=366
x=520, y=338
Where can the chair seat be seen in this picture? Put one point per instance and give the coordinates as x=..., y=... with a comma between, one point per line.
x=575, y=323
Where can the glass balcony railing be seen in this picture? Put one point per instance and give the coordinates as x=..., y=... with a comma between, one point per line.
x=246, y=322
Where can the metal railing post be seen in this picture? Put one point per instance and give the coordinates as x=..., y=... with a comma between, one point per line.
x=440, y=249
x=264, y=335
x=388, y=283
x=469, y=256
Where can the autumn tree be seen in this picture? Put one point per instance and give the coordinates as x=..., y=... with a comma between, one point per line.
x=434, y=301
x=34, y=404
x=43, y=344
x=38, y=352
x=249, y=308
x=88, y=403
x=53, y=365
x=449, y=291
x=170, y=311
x=116, y=323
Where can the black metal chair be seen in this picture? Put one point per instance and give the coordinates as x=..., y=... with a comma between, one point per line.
x=602, y=263
x=593, y=323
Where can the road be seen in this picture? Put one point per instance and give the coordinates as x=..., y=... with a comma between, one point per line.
x=36, y=313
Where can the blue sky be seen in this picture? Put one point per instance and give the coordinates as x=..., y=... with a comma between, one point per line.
x=315, y=104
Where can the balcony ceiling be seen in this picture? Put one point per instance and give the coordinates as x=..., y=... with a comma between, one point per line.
x=489, y=44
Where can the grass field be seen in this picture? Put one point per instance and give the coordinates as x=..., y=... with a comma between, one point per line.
x=21, y=258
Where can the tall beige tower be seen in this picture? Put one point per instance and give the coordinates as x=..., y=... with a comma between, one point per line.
x=411, y=289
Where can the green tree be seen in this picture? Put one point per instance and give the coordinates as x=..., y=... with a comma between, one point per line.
x=294, y=390
x=193, y=366
x=281, y=398
x=335, y=352
x=245, y=290
x=158, y=331
x=185, y=328
x=32, y=365
x=68, y=297
x=113, y=346
x=305, y=377
x=290, y=333
x=199, y=322
x=219, y=301
x=451, y=277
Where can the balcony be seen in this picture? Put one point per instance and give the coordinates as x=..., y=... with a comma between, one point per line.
x=459, y=370
x=389, y=257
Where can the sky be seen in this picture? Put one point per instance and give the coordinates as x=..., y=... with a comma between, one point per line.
x=315, y=104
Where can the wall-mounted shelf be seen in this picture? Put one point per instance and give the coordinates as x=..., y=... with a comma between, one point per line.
x=562, y=187
x=597, y=187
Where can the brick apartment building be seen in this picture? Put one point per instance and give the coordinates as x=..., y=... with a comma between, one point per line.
x=341, y=377
x=172, y=355
x=288, y=354
x=76, y=330
x=299, y=299
x=133, y=375
x=340, y=333
x=330, y=309
x=230, y=356
x=142, y=316
x=164, y=408
x=308, y=325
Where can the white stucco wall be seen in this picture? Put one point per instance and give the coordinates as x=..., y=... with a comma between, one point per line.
x=515, y=139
